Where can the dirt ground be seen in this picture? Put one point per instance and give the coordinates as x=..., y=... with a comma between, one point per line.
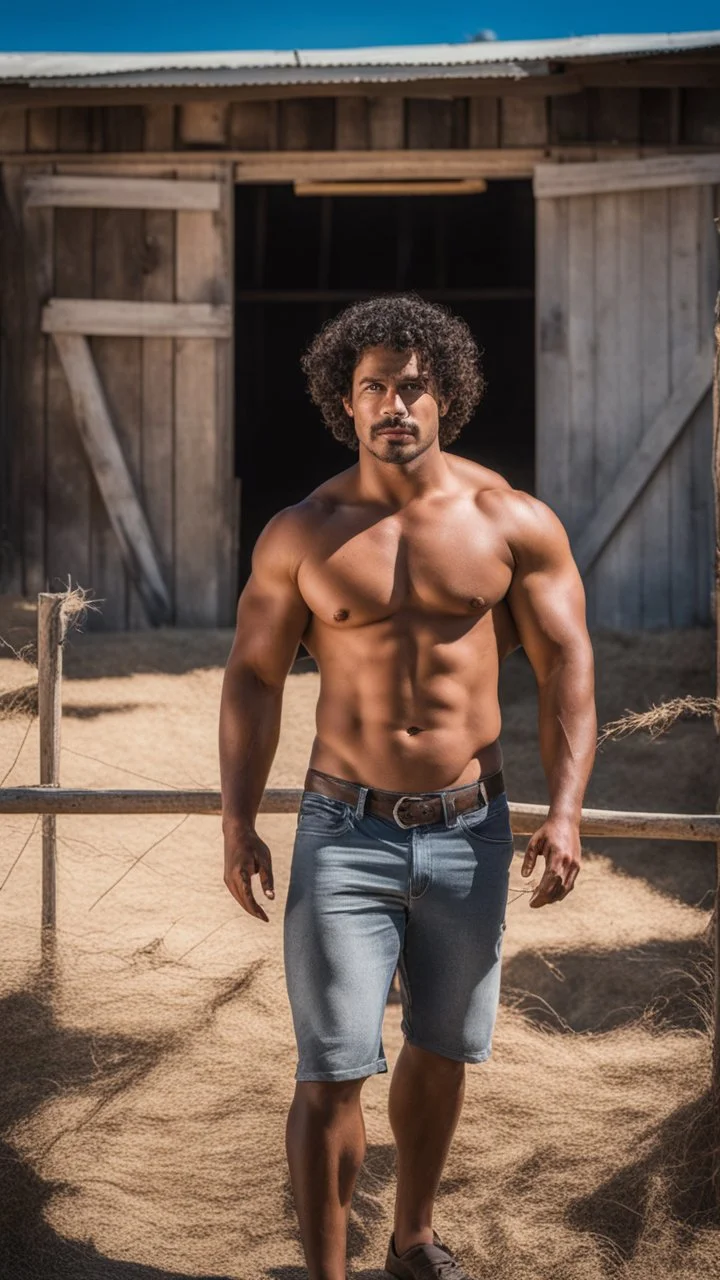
x=145, y=1079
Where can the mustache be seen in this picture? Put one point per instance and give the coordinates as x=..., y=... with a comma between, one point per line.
x=407, y=424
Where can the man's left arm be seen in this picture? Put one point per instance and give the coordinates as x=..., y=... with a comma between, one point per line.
x=547, y=600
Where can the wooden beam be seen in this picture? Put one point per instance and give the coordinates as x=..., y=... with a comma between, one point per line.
x=627, y=175
x=644, y=462
x=452, y=187
x=111, y=474
x=99, y=317
x=358, y=166
x=93, y=192
x=524, y=818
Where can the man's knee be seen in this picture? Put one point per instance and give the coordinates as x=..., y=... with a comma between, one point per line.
x=327, y=1097
x=429, y=1063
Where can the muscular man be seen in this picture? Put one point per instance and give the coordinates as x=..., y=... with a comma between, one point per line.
x=408, y=577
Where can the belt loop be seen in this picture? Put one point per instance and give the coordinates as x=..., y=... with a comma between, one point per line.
x=360, y=806
x=448, y=804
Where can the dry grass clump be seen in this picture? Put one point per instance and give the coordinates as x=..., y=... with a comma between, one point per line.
x=659, y=718
x=22, y=699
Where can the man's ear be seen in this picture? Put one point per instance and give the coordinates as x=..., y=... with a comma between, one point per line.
x=443, y=406
x=347, y=407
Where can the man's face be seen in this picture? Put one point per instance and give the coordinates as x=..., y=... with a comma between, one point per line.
x=393, y=405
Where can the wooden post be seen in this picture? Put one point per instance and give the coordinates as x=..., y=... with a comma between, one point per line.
x=716, y=604
x=51, y=634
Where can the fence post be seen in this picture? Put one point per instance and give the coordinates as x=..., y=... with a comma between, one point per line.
x=716, y=608
x=51, y=634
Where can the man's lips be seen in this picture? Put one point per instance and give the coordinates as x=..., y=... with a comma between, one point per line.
x=395, y=431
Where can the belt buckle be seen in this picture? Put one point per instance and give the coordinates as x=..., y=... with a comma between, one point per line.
x=405, y=825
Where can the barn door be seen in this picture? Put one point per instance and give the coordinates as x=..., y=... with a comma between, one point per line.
x=129, y=390
x=626, y=277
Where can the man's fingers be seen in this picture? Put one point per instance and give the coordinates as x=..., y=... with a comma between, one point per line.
x=266, y=876
x=246, y=898
x=535, y=847
x=550, y=889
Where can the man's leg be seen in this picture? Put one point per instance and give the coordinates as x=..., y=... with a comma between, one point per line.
x=426, y=1097
x=325, y=1143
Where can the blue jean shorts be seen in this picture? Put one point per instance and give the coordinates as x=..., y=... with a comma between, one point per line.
x=367, y=897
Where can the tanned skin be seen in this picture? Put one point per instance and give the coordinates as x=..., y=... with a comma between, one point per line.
x=408, y=577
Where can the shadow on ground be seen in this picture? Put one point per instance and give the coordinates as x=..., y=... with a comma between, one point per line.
x=42, y=1060
x=675, y=1178
x=667, y=984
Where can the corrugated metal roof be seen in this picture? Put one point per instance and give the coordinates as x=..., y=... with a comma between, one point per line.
x=516, y=58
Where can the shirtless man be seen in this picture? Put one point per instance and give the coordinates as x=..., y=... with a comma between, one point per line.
x=408, y=577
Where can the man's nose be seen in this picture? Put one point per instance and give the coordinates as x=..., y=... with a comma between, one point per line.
x=394, y=405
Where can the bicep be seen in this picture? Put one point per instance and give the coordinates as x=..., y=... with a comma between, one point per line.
x=271, y=613
x=547, y=597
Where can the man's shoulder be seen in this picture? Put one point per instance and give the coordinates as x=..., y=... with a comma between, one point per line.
x=289, y=532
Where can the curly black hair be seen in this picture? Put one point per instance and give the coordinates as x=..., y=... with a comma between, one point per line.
x=401, y=322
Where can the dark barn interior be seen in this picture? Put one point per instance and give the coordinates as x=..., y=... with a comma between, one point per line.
x=301, y=259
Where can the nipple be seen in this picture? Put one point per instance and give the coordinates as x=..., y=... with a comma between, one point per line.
x=341, y=615
x=414, y=728
x=477, y=602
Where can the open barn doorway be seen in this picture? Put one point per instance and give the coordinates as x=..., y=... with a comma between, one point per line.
x=301, y=259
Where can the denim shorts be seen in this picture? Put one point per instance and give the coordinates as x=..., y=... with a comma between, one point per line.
x=367, y=897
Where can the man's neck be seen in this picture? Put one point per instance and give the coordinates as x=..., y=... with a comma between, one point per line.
x=398, y=484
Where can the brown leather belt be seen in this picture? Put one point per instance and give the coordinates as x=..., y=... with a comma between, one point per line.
x=409, y=810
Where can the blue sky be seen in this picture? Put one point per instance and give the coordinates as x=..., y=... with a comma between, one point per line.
x=283, y=24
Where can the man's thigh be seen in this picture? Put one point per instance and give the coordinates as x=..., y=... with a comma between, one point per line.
x=451, y=961
x=343, y=931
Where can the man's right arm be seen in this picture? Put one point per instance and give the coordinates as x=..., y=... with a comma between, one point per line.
x=271, y=619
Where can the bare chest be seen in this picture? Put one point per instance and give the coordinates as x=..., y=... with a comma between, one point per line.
x=454, y=567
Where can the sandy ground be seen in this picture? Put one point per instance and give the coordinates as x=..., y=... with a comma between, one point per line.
x=146, y=1079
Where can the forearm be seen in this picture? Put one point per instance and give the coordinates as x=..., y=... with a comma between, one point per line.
x=250, y=712
x=568, y=732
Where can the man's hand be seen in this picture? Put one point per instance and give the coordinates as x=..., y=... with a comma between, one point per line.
x=558, y=840
x=247, y=855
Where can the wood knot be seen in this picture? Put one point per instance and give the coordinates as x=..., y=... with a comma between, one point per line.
x=477, y=602
x=341, y=615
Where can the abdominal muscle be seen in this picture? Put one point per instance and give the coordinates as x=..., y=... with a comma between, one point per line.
x=406, y=704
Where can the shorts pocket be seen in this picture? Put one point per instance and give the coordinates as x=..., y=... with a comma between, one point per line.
x=323, y=816
x=490, y=823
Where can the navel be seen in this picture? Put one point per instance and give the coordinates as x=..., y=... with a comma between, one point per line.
x=413, y=729
x=341, y=615
x=477, y=602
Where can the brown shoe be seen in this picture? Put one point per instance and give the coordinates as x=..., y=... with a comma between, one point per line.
x=424, y=1262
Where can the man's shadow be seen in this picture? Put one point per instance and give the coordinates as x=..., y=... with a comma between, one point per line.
x=41, y=1059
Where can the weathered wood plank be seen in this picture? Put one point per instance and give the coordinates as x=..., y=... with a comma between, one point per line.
x=306, y=124
x=701, y=117
x=654, y=377
x=158, y=377
x=68, y=479
x=643, y=462
x=93, y=192
x=13, y=129
x=523, y=122
x=684, y=343
x=253, y=125
x=627, y=540
x=38, y=234
x=483, y=122
x=121, y=128
x=14, y=343
x=203, y=123
x=352, y=124
x=582, y=281
x=614, y=115
x=700, y=427
x=429, y=123
x=226, y=481
x=198, y=268
x=387, y=123
x=524, y=818
x=111, y=473
x=42, y=131
x=74, y=124
x=340, y=166
x=554, y=425
x=126, y=319
x=653, y=173
x=159, y=128
x=569, y=118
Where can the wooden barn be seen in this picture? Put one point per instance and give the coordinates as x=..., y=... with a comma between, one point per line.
x=175, y=228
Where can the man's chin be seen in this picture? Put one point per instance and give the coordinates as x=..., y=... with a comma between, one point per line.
x=396, y=451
